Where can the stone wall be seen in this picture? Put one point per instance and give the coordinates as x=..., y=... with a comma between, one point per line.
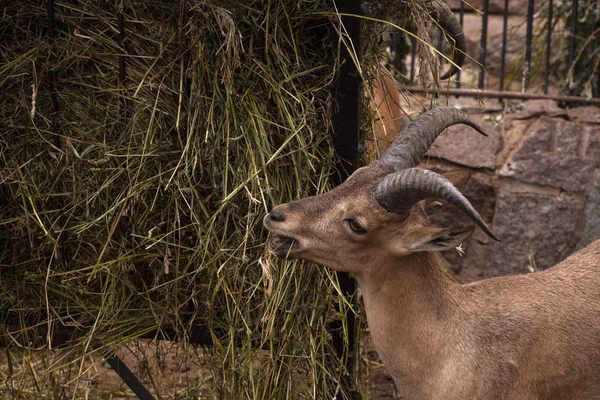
x=535, y=182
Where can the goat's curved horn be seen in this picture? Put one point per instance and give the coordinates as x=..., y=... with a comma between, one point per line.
x=408, y=149
x=446, y=20
x=399, y=191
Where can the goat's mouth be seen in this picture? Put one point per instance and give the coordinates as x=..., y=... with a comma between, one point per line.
x=283, y=246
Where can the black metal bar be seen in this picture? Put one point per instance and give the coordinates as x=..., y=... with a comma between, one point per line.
x=594, y=43
x=52, y=75
x=504, y=34
x=413, y=56
x=184, y=18
x=50, y=12
x=483, y=44
x=63, y=255
x=528, y=40
x=35, y=334
x=61, y=336
x=187, y=13
x=548, y=47
x=348, y=91
x=461, y=20
x=122, y=63
x=502, y=95
x=129, y=377
x=574, y=8
x=121, y=28
x=346, y=126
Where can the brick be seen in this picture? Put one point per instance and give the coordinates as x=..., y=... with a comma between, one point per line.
x=585, y=115
x=591, y=229
x=465, y=146
x=544, y=225
x=555, y=153
x=482, y=195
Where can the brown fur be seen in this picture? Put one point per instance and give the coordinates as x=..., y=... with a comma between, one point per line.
x=524, y=337
x=388, y=114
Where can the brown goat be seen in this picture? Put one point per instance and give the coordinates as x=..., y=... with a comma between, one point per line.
x=534, y=336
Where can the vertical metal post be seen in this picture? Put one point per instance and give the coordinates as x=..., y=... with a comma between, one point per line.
x=121, y=28
x=574, y=8
x=548, y=48
x=504, y=34
x=348, y=91
x=52, y=75
x=483, y=45
x=528, y=40
x=55, y=128
x=346, y=125
x=461, y=20
x=121, y=59
x=413, y=55
x=592, y=48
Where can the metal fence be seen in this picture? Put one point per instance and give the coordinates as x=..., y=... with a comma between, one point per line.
x=557, y=43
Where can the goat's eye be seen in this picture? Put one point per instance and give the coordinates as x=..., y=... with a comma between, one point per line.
x=355, y=226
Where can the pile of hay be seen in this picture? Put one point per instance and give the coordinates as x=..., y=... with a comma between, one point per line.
x=141, y=143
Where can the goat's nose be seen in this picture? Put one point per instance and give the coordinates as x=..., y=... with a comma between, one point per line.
x=276, y=215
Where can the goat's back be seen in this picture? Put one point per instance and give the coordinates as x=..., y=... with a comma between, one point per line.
x=536, y=335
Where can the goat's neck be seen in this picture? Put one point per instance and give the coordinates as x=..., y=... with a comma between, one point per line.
x=408, y=308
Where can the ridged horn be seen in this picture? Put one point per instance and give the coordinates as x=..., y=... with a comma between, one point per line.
x=409, y=147
x=399, y=191
x=447, y=21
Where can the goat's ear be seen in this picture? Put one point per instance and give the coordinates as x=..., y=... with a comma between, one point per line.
x=458, y=177
x=356, y=172
x=438, y=239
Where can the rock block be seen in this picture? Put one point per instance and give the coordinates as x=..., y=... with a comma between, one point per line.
x=478, y=190
x=531, y=224
x=481, y=193
x=556, y=153
x=474, y=105
x=537, y=108
x=465, y=146
x=591, y=229
x=585, y=115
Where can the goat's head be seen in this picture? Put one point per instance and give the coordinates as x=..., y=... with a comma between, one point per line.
x=376, y=214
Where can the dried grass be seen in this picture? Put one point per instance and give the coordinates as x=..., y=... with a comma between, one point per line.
x=135, y=171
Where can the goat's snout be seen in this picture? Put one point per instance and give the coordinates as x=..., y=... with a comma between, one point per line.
x=276, y=215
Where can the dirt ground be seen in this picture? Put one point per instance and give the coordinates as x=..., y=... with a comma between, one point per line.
x=169, y=370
